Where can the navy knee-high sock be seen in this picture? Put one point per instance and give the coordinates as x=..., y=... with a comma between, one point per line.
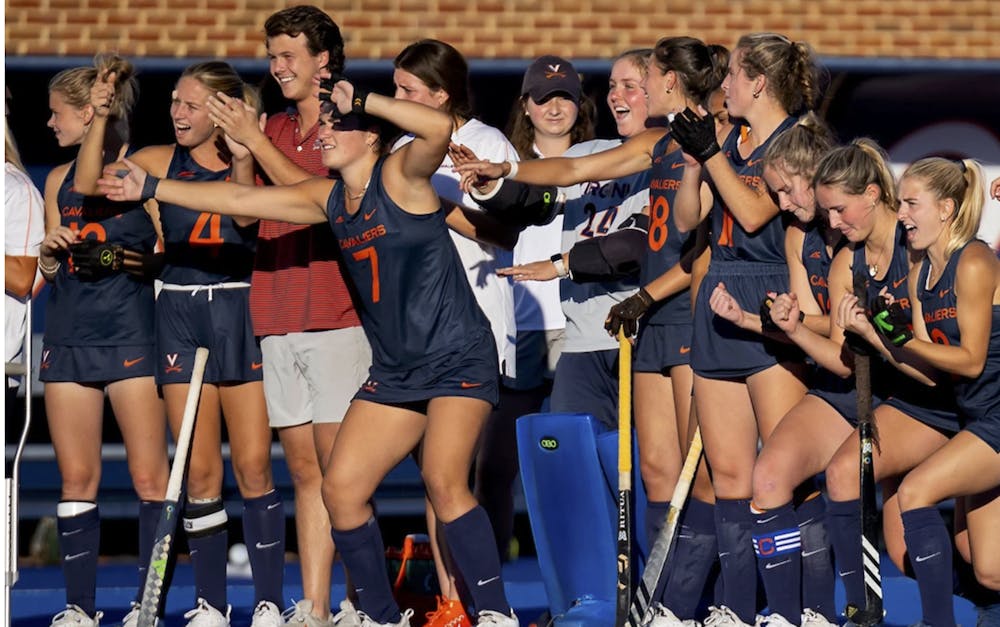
x=776, y=541
x=817, y=561
x=79, y=525
x=469, y=538
x=692, y=559
x=149, y=517
x=844, y=526
x=656, y=517
x=264, y=531
x=733, y=523
x=363, y=554
x=208, y=541
x=929, y=547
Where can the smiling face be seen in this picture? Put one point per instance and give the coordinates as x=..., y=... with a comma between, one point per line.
x=343, y=142
x=192, y=126
x=294, y=67
x=925, y=217
x=410, y=87
x=627, y=98
x=553, y=117
x=851, y=214
x=67, y=122
x=795, y=194
x=659, y=101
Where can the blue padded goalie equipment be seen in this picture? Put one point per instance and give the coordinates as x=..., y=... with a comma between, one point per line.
x=573, y=513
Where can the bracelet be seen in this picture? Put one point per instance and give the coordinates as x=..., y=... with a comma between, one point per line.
x=513, y=170
x=358, y=101
x=149, y=188
x=49, y=269
x=557, y=261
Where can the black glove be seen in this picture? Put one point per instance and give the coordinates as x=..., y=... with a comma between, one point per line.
x=695, y=134
x=767, y=323
x=891, y=321
x=93, y=260
x=627, y=313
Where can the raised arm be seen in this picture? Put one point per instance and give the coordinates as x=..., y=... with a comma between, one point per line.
x=90, y=159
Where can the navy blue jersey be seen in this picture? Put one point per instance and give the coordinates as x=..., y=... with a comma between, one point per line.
x=730, y=241
x=895, y=277
x=416, y=302
x=203, y=248
x=978, y=397
x=116, y=310
x=665, y=244
x=816, y=261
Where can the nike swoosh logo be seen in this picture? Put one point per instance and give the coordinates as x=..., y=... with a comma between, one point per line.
x=273, y=505
x=368, y=214
x=466, y=385
x=128, y=363
x=943, y=293
x=808, y=553
x=724, y=554
x=924, y=558
x=256, y=365
x=896, y=284
x=766, y=520
x=770, y=566
x=674, y=166
x=268, y=545
x=753, y=162
x=75, y=556
x=850, y=572
x=70, y=533
x=483, y=582
x=685, y=350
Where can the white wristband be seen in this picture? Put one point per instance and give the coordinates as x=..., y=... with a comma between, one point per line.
x=557, y=261
x=513, y=170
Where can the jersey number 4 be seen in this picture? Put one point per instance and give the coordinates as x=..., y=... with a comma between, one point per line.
x=207, y=230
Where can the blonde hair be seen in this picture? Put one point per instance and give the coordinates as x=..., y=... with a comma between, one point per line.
x=856, y=166
x=10, y=152
x=74, y=85
x=220, y=76
x=638, y=57
x=960, y=181
x=798, y=150
x=789, y=67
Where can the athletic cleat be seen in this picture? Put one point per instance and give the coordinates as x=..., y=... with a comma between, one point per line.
x=489, y=617
x=774, y=620
x=204, y=615
x=722, y=616
x=404, y=620
x=449, y=613
x=73, y=616
x=267, y=614
x=132, y=618
x=812, y=618
x=300, y=613
x=659, y=616
x=347, y=616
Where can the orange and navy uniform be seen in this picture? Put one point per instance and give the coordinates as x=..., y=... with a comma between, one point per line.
x=428, y=335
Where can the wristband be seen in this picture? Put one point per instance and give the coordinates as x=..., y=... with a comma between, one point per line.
x=513, y=170
x=149, y=188
x=557, y=261
x=359, y=100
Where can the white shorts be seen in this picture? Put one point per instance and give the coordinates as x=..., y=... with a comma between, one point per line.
x=312, y=376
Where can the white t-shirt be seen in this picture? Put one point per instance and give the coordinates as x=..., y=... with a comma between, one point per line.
x=24, y=224
x=493, y=293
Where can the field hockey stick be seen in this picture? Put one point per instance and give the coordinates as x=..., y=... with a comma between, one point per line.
x=664, y=543
x=872, y=613
x=166, y=529
x=625, y=525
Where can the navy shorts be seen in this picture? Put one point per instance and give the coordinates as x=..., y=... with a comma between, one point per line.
x=721, y=350
x=587, y=383
x=213, y=317
x=841, y=394
x=470, y=372
x=987, y=429
x=95, y=364
x=935, y=414
x=660, y=347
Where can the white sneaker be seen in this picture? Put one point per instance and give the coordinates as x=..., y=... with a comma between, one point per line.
x=775, y=620
x=812, y=618
x=204, y=615
x=132, y=618
x=267, y=614
x=347, y=616
x=489, y=617
x=367, y=621
x=73, y=616
x=300, y=613
x=722, y=616
x=659, y=616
